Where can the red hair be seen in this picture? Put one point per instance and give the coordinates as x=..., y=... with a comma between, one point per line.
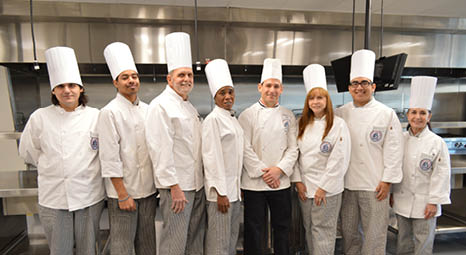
x=308, y=115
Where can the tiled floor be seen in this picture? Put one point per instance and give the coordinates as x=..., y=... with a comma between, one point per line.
x=445, y=244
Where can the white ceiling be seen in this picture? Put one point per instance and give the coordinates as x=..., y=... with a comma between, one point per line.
x=441, y=8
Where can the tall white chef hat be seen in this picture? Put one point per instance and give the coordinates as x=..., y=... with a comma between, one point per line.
x=314, y=76
x=422, y=92
x=362, y=64
x=178, y=51
x=218, y=75
x=119, y=58
x=272, y=69
x=62, y=66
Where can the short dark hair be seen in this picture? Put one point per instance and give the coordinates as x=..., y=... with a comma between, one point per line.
x=81, y=101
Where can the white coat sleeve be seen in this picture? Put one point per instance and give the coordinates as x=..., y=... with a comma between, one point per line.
x=29, y=146
x=160, y=133
x=296, y=176
x=291, y=153
x=338, y=161
x=109, y=145
x=212, y=157
x=439, y=191
x=393, y=151
x=251, y=161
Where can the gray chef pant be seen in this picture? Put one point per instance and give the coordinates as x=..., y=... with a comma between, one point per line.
x=415, y=236
x=132, y=232
x=64, y=228
x=222, y=229
x=360, y=209
x=320, y=223
x=183, y=233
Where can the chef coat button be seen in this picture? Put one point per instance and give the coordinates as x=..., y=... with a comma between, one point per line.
x=360, y=145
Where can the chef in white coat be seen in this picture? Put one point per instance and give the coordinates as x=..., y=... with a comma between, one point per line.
x=61, y=140
x=324, y=152
x=126, y=165
x=269, y=157
x=425, y=187
x=222, y=155
x=375, y=163
x=174, y=138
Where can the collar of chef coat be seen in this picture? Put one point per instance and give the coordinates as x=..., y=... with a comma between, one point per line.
x=265, y=106
x=227, y=113
x=368, y=105
x=124, y=100
x=62, y=111
x=420, y=134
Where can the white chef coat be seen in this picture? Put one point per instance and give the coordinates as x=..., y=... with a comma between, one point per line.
x=426, y=175
x=376, y=145
x=174, y=140
x=222, y=155
x=270, y=140
x=323, y=163
x=64, y=147
x=123, y=150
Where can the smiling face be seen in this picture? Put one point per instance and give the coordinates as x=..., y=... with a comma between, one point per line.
x=361, y=89
x=181, y=80
x=418, y=118
x=317, y=103
x=67, y=95
x=225, y=97
x=127, y=84
x=270, y=90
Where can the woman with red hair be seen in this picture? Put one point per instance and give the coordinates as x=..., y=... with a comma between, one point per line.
x=324, y=152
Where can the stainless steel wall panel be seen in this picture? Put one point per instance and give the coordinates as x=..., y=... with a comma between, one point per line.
x=284, y=45
x=458, y=50
x=211, y=41
x=9, y=41
x=249, y=45
x=426, y=50
x=320, y=46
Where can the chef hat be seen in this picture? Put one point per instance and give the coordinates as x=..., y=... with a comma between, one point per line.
x=218, y=75
x=272, y=69
x=178, y=51
x=362, y=64
x=314, y=76
x=62, y=66
x=422, y=92
x=119, y=59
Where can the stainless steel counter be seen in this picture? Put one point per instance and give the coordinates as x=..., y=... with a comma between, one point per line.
x=18, y=184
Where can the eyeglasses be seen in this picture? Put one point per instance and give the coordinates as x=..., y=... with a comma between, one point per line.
x=363, y=83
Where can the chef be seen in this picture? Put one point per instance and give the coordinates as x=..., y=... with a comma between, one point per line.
x=125, y=160
x=222, y=154
x=375, y=163
x=61, y=140
x=324, y=152
x=270, y=154
x=425, y=187
x=174, y=138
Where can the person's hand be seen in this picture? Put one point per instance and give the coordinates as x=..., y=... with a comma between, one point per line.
x=223, y=203
x=127, y=205
x=301, y=191
x=319, y=197
x=430, y=211
x=383, y=189
x=178, y=199
x=272, y=176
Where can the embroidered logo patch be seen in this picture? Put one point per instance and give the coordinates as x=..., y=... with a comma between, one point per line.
x=286, y=122
x=325, y=147
x=376, y=135
x=95, y=143
x=425, y=164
